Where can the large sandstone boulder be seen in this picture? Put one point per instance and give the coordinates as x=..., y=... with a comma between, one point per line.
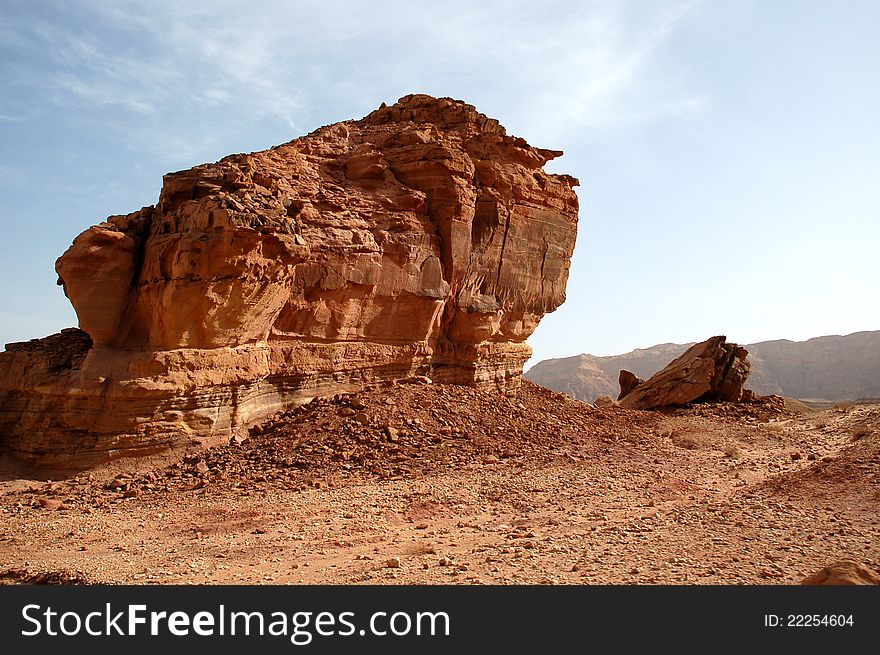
x=713, y=370
x=826, y=368
x=419, y=240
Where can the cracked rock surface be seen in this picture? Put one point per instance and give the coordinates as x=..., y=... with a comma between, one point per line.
x=419, y=240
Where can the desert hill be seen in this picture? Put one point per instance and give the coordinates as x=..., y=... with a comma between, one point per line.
x=829, y=368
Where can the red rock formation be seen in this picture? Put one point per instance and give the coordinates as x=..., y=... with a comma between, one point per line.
x=712, y=370
x=419, y=240
x=628, y=381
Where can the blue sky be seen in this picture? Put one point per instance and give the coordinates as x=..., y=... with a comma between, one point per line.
x=728, y=150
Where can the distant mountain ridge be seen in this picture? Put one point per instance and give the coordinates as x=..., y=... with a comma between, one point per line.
x=829, y=368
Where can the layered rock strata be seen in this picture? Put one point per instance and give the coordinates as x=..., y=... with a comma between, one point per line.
x=420, y=240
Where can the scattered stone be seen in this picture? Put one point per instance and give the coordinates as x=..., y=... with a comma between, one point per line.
x=605, y=402
x=844, y=572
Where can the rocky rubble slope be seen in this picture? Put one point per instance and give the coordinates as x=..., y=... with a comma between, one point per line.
x=422, y=483
x=419, y=240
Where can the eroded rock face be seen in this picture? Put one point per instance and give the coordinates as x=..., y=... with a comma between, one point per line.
x=421, y=239
x=712, y=370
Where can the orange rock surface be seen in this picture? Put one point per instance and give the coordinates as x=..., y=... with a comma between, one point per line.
x=420, y=240
x=712, y=370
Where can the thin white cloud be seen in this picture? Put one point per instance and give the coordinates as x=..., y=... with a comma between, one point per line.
x=79, y=68
x=550, y=68
x=607, y=75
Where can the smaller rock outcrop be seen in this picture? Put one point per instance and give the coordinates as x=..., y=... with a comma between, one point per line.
x=628, y=382
x=712, y=370
x=844, y=572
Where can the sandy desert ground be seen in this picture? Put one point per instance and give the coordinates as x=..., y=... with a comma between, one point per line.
x=420, y=483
